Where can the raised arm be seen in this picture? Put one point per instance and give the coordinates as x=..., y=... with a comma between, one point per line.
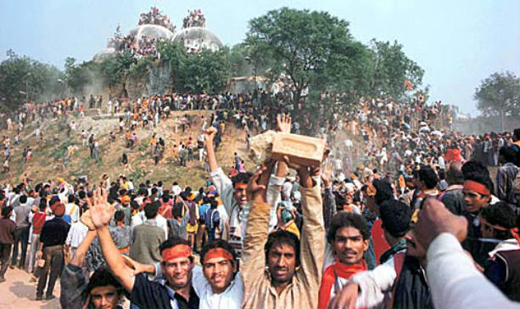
x=101, y=213
x=253, y=257
x=212, y=158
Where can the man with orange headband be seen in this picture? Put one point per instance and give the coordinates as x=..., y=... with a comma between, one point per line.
x=477, y=190
x=177, y=265
x=218, y=283
x=498, y=223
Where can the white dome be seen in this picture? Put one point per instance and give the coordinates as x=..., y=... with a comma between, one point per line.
x=151, y=31
x=198, y=38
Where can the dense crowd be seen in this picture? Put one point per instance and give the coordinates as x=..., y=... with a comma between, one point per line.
x=402, y=213
x=195, y=18
x=155, y=17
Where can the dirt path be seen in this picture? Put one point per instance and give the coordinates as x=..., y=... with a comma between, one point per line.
x=19, y=292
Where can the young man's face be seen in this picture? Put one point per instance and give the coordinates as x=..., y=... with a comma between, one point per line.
x=281, y=261
x=349, y=245
x=241, y=194
x=219, y=272
x=475, y=201
x=104, y=297
x=178, y=272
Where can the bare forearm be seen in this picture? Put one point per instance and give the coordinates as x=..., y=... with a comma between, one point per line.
x=114, y=259
x=212, y=158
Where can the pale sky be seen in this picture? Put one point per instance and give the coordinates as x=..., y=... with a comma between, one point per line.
x=458, y=43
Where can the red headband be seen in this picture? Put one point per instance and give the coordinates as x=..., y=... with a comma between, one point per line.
x=476, y=187
x=217, y=253
x=176, y=252
x=240, y=185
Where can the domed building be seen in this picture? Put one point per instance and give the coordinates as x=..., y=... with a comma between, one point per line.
x=150, y=31
x=198, y=38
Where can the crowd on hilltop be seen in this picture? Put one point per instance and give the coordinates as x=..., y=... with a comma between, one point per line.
x=155, y=17
x=401, y=213
x=145, y=46
x=195, y=18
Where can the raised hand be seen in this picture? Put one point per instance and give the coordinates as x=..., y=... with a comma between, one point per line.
x=210, y=134
x=283, y=123
x=101, y=211
x=257, y=185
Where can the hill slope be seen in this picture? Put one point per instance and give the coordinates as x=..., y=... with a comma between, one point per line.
x=47, y=160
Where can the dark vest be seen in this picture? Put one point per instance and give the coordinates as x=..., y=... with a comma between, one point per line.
x=511, y=259
x=412, y=290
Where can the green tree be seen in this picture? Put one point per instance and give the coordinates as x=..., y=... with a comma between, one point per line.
x=499, y=95
x=206, y=71
x=391, y=68
x=23, y=79
x=312, y=48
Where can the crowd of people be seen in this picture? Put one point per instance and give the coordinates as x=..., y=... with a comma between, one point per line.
x=195, y=18
x=403, y=213
x=155, y=17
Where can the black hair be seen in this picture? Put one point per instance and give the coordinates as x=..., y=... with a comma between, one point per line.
x=23, y=199
x=154, y=191
x=241, y=178
x=482, y=179
x=508, y=153
x=283, y=237
x=474, y=166
x=6, y=211
x=346, y=219
x=428, y=176
x=71, y=198
x=103, y=277
x=396, y=217
x=134, y=205
x=516, y=133
x=383, y=191
x=119, y=216
x=502, y=215
x=82, y=194
x=218, y=243
x=151, y=209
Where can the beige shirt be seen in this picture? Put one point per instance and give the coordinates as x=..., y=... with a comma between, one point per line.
x=303, y=291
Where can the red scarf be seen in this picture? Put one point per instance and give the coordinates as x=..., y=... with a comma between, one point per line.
x=329, y=277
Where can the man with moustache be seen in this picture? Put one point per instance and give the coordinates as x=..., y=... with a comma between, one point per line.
x=398, y=283
x=349, y=236
x=177, y=264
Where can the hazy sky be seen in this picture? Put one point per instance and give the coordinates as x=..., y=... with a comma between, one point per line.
x=458, y=43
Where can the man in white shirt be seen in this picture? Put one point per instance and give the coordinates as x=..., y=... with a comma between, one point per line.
x=217, y=283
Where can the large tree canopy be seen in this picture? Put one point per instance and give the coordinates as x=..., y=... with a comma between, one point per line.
x=392, y=68
x=22, y=79
x=303, y=44
x=316, y=50
x=499, y=95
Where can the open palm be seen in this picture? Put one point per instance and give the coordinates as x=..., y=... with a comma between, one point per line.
x=101, y=211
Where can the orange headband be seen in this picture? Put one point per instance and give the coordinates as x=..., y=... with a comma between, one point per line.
x=241, y=185
x=217, y=253
x=476, y=187
x=176, y=252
